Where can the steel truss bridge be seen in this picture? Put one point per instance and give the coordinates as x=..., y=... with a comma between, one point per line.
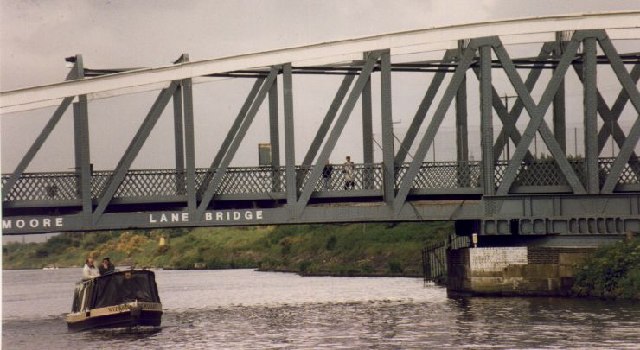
x=523, y=194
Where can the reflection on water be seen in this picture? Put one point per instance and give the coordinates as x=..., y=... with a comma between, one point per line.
x=244, y=309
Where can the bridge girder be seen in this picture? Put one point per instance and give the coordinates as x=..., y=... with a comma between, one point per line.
x=493, y=192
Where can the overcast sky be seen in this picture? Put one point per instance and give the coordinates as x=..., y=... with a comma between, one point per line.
x=36, y=36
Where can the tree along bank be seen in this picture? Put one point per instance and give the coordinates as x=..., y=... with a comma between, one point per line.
x=372, y=249
x=613, y=271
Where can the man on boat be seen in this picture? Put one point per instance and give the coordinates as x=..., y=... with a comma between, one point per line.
x=106, y=267
x=89, y=271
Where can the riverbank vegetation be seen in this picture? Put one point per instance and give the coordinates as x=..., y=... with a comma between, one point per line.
x=611, y=272
x=371, y=249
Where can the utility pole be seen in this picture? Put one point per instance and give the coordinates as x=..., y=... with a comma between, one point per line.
x=575, y=141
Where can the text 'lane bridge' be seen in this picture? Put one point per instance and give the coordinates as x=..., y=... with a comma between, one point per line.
x=590, y=186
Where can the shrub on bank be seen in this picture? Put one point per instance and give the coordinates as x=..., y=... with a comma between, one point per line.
x=372, y=249
x=611, y=272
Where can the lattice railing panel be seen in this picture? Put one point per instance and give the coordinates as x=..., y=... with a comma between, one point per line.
x=364, y=177
x=443, y=175
x=542, y=172
x=44, y=186
x=148, y=183
x=630, y=174
x=245, y=180
x=159, y=183
x=251, y=180
x=99, y=182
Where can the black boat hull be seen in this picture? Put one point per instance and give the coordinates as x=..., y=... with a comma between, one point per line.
x=131, y=318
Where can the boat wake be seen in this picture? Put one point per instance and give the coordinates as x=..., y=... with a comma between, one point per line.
x=137, y=332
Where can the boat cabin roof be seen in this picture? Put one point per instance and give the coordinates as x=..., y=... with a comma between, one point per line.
x=115, y=288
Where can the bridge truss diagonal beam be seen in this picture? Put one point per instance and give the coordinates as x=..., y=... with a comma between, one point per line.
x=509, y=118
x=328, y=120
x=233, y=131
x=536, y=113
x=611, y=115
x=631, y=89
x=132, y=150
x=213, y=185
x=75, y=73
x=434, y=125
x=35, y=147
x=341, y=121
x=238, y=121
x=423, y=108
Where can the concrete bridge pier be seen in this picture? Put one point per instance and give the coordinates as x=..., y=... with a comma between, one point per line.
x=520, y=265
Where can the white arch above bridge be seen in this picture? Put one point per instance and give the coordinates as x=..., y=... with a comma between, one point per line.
x=619, y=26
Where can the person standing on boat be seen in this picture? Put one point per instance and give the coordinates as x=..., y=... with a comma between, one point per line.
x=106, y=267
x=89, y=271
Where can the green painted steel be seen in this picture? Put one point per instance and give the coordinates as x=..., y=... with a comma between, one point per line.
x=521, y=194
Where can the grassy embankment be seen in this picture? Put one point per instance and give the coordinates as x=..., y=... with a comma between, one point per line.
x=345, y=250
x=611, y=272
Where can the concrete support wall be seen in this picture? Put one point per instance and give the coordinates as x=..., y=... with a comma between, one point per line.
x=544, y=271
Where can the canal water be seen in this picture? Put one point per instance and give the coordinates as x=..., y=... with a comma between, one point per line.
x=245, y=309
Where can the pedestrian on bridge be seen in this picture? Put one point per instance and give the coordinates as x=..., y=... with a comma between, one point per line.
x=326, y=175
x=349, y=170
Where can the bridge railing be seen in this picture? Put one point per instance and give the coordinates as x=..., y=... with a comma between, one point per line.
x=543, y=173
x=443, y=175
x=363, y=177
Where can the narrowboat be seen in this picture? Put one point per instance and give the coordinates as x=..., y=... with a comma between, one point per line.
x=122, y=299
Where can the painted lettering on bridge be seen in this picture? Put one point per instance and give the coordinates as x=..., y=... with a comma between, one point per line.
x=31, y=223
x=221, y=216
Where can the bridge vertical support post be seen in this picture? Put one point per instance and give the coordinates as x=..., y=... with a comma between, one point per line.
x=486, y=116
x=591, y=115
x=81, y=145
x=386, y=116
x=559, y=110
x=178, y=140
x=462, y=137
x=274, y=136
x=367, y=134
x=189, y=138
x=289, y=141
